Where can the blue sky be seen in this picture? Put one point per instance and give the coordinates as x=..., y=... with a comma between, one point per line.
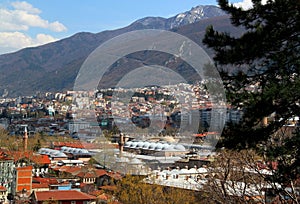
x=35, y=22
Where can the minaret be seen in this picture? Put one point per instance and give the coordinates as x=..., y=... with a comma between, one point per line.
x=121, y=144
x=264, y=121
x=25, y=139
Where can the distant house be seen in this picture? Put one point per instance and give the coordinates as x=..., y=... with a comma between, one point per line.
x=46, y=184
x=64, y=197
x=85, y=175
x=40, y=187
x=3, y=194
x=7, y=171
x=40, y=162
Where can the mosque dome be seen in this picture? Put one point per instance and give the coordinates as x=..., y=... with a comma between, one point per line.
x=179, y=147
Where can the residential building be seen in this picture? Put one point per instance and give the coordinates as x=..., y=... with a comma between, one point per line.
x=3, y=195
x=6, y=171
x=61, y=196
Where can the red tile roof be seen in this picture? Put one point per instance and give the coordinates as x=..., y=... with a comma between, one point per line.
x=44, y=180
x=40, y=185
x=76, y=145
x=5, y=156
x=100, y=172
x=115, y=175
x=83, y=174
x=63, y=195
x=200, y=135
x=2, y=188
x=205, y=134
x=70, y=169
x=68, y=144
x=94, y=173
x=41, y=159
x=36, y=158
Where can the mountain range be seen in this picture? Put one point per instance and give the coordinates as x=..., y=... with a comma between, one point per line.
x=54, y=66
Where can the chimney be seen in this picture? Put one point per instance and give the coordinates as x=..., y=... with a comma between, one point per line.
x=25, y=139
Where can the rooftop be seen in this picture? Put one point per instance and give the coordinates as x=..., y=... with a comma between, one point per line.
x=2, y=188
x=62, y=195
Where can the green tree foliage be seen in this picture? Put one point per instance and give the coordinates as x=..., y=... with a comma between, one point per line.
x=37, y=146
x=260, y=70
x=133, y=190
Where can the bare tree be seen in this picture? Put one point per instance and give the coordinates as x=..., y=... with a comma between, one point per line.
x=235, y=177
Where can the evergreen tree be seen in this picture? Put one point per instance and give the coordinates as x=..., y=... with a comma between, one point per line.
x=261, y=73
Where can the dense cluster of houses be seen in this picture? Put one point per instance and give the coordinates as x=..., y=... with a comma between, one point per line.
x=54, y=172
x=61, y=174
x=73, y=113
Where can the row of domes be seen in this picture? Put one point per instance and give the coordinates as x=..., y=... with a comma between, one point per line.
x=156, y=146
x=61, y=153
x=181, y=171
x=51, y=152
x=74, y=150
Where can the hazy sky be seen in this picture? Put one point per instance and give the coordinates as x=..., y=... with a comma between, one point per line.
x=35, y=22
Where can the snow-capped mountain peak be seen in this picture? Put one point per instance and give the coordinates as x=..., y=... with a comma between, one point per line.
x=194, y=15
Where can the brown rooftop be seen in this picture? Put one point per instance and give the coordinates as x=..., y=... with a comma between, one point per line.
x=62, y=195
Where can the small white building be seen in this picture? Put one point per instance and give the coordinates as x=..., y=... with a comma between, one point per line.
x=3, y=195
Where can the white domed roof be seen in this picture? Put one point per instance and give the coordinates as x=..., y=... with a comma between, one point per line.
x=152, y=146
x=140, y=144
x=175, y=171
x=202, y=170
x=60, y=154
x=163, y=173
x=165, y=146
x=52, y=152
x=184, y=171
x=146, y=145
x=63, y=148
x=170, y=148
x=193, y=171
x=47, y=152
x=75, y=151
x=42, y=149
x=166, y=172
x=133, y=144
x=179, y=147
x=159, y=146
x=84, y=151
x=70, y=150
x=56, y=152
x=127, y=144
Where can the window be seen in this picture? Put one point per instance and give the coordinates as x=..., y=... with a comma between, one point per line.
x=73, y=202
